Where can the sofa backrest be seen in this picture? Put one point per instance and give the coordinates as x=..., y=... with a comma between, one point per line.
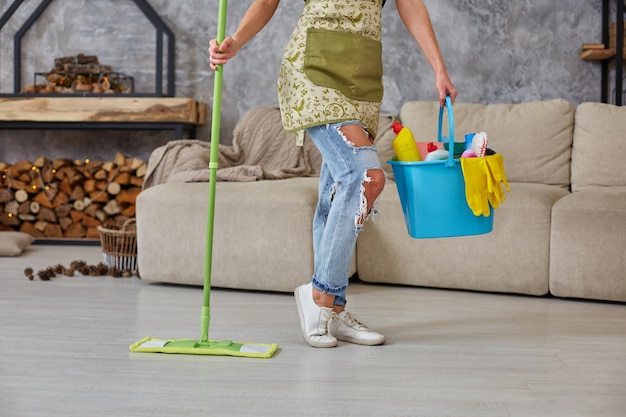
x=534, y=138
x=599, y=150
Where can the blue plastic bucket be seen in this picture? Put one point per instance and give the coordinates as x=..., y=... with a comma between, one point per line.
x=432, y=195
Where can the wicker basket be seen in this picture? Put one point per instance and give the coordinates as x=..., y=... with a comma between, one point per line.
x=119, y=246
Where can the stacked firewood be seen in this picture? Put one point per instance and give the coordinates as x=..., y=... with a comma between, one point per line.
x=65, y=198
x=79, y=74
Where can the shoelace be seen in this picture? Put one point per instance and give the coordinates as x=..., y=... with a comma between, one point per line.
x=353, y=321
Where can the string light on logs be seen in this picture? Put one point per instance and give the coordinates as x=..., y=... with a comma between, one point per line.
x=69, y=197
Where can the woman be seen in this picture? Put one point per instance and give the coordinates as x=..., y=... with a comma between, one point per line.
x=330, y=84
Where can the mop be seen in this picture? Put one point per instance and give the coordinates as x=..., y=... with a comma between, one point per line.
x=204, y=346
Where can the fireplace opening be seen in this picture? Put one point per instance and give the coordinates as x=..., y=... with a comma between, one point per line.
x=137, y=70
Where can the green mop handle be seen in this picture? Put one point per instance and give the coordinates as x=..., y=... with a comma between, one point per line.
x=215, y=139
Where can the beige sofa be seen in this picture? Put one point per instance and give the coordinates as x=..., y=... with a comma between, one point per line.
x=561, y=230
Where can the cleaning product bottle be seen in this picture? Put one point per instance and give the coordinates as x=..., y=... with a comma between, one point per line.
x=434, y=153
x=404, y=144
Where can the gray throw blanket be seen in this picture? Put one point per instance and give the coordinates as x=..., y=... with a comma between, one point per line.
x=261, y=149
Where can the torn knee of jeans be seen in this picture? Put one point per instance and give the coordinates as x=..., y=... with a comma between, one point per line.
x=351, y=143
x=363, y=213
x=345, y=138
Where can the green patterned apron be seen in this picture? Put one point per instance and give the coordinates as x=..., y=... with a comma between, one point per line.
x=332, y=67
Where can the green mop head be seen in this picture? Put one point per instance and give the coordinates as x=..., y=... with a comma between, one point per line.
x=212, y=347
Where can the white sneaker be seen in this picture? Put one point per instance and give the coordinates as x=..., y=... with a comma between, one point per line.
x=349, y=328
x=314, y=320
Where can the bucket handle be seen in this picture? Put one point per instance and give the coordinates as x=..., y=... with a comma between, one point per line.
x=448, y=104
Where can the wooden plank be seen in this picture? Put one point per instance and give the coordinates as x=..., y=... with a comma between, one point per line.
x=101, y=109
x=592, y=46
x=596, y=54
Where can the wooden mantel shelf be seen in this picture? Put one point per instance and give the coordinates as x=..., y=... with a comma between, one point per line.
x=103, y=109
x=128, y=113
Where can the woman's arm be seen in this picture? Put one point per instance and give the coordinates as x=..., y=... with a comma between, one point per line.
x=257, y=16
x=415, y=17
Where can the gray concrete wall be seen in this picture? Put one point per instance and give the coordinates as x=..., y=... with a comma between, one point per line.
x=496, y=51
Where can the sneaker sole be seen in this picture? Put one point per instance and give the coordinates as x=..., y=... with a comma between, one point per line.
x=374, y=342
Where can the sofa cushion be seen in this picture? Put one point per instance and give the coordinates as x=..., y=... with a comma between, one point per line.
x=599, y=146
x=262, y=240
x=587, y=244
x=535, y=138
x=514, y=257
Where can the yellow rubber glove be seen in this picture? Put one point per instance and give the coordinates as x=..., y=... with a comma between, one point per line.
x=476, y=174
x=495, y=164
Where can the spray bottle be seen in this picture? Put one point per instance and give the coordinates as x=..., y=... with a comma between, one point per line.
x=404, y=144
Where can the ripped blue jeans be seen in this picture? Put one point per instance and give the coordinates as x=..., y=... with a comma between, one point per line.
x=341, y=208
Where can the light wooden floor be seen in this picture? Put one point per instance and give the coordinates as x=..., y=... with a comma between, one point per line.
x=64, y=352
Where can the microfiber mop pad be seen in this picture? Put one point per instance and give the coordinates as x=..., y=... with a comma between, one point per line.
x=212, y=347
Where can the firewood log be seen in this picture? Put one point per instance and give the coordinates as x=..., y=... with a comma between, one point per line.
x=27, y=217
x=6, y=194
x=89, y=186
x=112, y=208
x=25, y=177
x=41, y=225
x=47, y=215
x=9, y=219
x=134, y=163
x=136, y=181
x=101, y=185
x=128, y=196
x=76, y=215
x=29, y=228
x=75, y=230
x=65, y=222
x=99, y=196
x=129, y=211
x=65, y=186
x=101, y=174
x=19, y=168
x=92, y=209
x=90, y=222
x=42, y=198
x=24, y=208
x=61, y=199
x=78, y=193
x=59, y=163
x=92, y=233
x=114, y=188
x=53, y=231
x=35, y=207
x=123, y=178
x=141, y=171
x=108, y=166
x=21, y=196
x=101, y=215
x=17, y=184
x=120, y=159
x=41, y=162
x=12, y=207
x=49, y=175
x=79, y=205
x=63, y=211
